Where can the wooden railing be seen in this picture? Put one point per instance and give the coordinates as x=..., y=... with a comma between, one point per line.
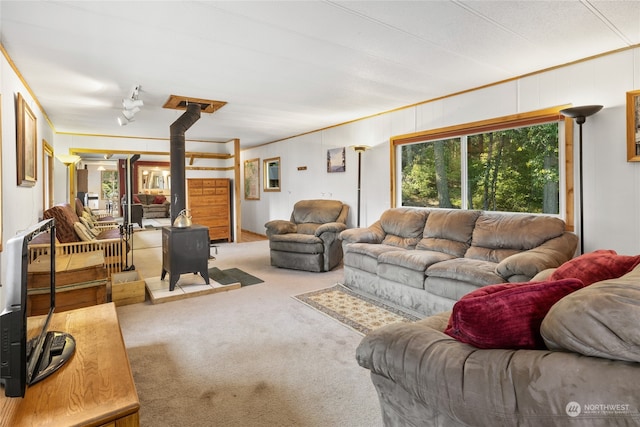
x=114, y=250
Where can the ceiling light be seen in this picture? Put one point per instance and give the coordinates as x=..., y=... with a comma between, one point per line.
x=128, y=114
x=130, y=104
x=123, y=121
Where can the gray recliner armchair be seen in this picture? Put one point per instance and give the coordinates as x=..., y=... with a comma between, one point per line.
x=309, y=240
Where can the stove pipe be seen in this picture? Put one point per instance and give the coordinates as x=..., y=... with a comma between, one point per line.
x=177, y=157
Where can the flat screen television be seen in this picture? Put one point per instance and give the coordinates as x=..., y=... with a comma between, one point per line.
x=29, y=351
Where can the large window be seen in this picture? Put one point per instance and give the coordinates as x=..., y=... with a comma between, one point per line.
x=509, y=165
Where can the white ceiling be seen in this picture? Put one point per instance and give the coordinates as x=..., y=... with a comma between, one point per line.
x=287, y=68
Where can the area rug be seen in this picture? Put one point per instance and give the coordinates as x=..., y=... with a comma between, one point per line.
x=355, y=311
x=233, y=275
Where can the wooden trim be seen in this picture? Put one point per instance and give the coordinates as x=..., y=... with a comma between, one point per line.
x=47, y=183
x=192, y=154
x=632, y=154
x=237, y=189
x=489, y=125
x=569, y=172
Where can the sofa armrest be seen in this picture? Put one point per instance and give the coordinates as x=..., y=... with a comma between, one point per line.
x=330, y=227
x=280, y=226
x=550, y=254
x=372, y=234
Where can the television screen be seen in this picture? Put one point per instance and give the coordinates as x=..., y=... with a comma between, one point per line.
x=30, y=352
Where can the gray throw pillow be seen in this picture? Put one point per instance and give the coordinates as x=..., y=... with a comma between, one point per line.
x=599, y=320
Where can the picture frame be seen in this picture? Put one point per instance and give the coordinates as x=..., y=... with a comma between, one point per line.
x=336, y=160
x=271, y=174
x=252, y=179
x=633, y=126
x=26, y=144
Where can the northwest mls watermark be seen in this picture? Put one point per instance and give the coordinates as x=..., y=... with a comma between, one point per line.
x=574, y=409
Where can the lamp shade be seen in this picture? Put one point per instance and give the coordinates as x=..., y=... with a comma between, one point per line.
x=580, y=113
x=68, y=159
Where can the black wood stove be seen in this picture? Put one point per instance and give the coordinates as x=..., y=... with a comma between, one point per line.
x=184, y=250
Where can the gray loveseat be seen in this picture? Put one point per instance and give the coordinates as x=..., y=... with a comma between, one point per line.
x=310, y=239
x=425, y=377
x=426, y=260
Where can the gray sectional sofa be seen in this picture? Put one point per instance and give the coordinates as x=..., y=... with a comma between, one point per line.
x=427, y=259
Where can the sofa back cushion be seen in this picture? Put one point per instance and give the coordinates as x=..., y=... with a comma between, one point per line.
x=65, y=218
x=449, y=231
x=600, y=320
x=317, y=211
x=79, y=207
x=145, y=199
x=499, y=235
x=403, y=227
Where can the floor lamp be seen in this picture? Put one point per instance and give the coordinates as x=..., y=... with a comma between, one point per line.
x=68, y=160
x=359, y=149
x=580, y=114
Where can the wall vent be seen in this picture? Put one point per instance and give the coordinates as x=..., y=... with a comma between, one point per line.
x=176, y=102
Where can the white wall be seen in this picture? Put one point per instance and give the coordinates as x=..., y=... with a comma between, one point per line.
x=21, y=206
x=611, y=184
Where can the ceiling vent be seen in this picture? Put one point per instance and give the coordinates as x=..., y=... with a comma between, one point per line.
x=176, y=102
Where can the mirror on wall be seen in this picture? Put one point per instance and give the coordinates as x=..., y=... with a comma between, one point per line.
x=271, y=170
x=154, y=180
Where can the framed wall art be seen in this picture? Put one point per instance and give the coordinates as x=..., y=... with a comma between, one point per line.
x=252, y=179
x=271, y=171
x=633, y=126
x=26, y=148
x=336, y=160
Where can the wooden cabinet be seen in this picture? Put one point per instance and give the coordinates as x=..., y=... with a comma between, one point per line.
x=209, y=202
x=94, y=388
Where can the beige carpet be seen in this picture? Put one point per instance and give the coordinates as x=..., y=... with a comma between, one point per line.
x=353, y=310
x=248, y=357
x=147, y=239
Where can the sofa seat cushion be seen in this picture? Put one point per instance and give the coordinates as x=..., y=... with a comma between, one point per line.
x=364, y=256
x=371, y=249
x=497, y=236
x=296, y=242
x=600, y=320
x=507, y=315
x=448, y=289
x=449, y=231
x=466, y=270
x=413, y=259
x=111, y=233
x=409, y=266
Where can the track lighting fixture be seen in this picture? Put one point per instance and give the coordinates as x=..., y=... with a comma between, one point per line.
x=131, y=106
